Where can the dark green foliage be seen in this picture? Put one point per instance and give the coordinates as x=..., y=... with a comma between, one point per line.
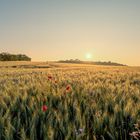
x=14, y=57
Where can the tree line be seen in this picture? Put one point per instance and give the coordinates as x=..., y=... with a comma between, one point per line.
x=13, y=57
x=77, y=61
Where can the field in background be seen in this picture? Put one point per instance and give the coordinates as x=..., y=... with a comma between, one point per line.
x=84, y=102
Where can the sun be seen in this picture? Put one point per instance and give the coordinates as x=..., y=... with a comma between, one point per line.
x=88, y=56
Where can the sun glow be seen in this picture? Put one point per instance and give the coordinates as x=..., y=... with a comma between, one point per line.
x=88, y=56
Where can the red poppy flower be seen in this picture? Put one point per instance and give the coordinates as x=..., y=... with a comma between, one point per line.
x=49, y=77
x=68, y=88
x=44, y=108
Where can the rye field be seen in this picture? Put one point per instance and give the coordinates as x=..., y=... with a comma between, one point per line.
x=69, y=102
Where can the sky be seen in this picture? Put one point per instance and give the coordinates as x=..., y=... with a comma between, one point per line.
x=92, y=30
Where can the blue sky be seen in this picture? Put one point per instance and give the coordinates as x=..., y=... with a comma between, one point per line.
x=64, y=29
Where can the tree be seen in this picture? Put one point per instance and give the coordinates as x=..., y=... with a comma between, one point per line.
x=14, y=57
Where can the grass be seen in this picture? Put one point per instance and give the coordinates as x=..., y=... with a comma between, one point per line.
x=101, y=102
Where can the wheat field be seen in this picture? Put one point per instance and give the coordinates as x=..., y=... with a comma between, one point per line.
x=69, y=102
